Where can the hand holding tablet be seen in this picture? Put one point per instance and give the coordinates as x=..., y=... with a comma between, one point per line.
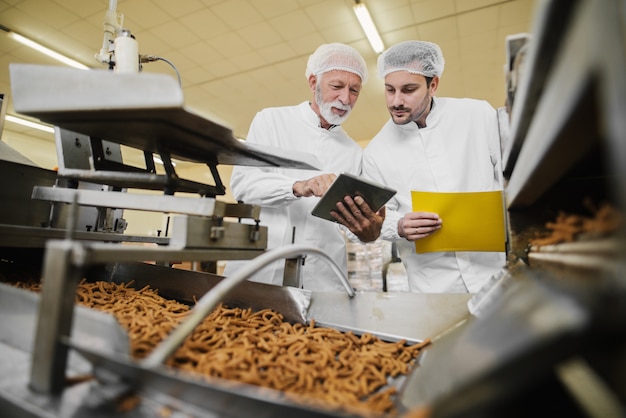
x=376, y=195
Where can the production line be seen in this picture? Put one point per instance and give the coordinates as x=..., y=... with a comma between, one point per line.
x=544, y=337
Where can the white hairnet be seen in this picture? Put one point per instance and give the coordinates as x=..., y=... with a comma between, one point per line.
x=336, y=56
x=416, y=57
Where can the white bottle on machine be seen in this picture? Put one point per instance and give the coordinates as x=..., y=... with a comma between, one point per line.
x=126, y=53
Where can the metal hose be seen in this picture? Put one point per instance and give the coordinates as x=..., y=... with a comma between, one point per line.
x=211, y=299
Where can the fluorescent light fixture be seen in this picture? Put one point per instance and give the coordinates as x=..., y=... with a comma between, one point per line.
x=29, y=124
x=47, y=51
x=367, y=24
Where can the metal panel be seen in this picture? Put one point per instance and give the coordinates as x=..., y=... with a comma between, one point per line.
x=156, y=203
x=17, y=182
x=392, y=316
x=196, y=232
x=143, y=111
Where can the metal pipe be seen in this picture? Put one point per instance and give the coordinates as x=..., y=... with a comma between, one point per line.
x=111, y=26
x=211, y=299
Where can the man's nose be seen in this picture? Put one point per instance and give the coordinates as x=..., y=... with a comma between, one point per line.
x=397, y=99
x=344, y=95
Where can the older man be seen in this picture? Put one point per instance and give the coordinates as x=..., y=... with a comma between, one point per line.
x=335, y=74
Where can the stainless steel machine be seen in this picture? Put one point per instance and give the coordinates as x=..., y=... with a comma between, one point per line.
x=79, y=233
x=546, y=337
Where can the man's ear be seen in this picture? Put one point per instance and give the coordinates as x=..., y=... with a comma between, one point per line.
x=434, y=83
x=312, y=82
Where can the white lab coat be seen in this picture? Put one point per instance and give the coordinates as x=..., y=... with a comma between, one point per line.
x=458, y=151
x=296, y=128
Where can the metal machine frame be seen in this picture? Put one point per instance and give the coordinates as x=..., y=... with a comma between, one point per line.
x=543, y=336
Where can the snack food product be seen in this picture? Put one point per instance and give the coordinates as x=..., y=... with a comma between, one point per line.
x=566, y=227
x=314, y=365
x=318, y=365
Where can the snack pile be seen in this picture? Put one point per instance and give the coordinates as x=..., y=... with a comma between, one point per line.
x=317, y=366
x=605, y=220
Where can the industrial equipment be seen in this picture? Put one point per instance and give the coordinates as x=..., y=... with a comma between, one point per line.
x=546, y=337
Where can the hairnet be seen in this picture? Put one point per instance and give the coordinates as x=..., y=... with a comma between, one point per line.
x=416, y=57
x=336, y=56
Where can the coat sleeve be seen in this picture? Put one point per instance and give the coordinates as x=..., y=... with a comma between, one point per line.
x=260, y=185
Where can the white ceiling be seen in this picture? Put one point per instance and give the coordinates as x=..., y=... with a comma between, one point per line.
x=238, y=56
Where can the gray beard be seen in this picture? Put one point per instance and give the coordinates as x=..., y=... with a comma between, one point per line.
x=326, y=110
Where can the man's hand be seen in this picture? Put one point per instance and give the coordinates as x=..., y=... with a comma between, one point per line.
x=315, y=186
x=359, y=218
x=417, y=225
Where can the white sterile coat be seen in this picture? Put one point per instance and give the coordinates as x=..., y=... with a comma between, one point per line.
x=296, y=128
x=458, y=151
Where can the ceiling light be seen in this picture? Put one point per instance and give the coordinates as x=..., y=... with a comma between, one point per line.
x=363, y=15
x=47, y=51
x=25, y=122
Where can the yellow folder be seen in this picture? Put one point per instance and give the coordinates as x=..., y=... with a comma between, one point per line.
x=472, y=221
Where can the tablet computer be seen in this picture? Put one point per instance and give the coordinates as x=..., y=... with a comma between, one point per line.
x=376, y=195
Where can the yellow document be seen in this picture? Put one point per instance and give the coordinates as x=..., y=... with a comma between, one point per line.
x=472, y=221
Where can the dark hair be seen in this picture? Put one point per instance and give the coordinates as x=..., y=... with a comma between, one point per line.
x=428, y=80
